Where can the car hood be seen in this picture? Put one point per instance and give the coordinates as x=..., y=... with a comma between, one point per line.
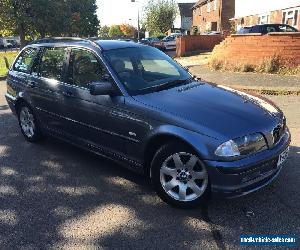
x=215, y=110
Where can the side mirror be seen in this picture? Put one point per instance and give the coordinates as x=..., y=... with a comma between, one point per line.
x=102, y=88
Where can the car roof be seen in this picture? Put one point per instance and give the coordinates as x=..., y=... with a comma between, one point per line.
x=113, y=44
x=272, y=24
x=101, y=44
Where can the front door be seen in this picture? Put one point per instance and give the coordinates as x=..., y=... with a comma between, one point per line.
x=89, y=118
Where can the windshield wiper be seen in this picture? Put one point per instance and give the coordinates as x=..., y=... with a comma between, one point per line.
x=172, y=84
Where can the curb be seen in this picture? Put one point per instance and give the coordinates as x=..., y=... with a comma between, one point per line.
x=272, y=92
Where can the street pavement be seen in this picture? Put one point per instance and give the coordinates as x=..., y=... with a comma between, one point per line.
x=248, y=80
x=55, y=196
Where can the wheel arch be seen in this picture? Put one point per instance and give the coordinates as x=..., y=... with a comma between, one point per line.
x=18, y=103
x=166, y=135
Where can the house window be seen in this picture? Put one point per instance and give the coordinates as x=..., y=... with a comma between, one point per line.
x=291, y=17
x=208, y=6
x=263, y=19
x=215, y=4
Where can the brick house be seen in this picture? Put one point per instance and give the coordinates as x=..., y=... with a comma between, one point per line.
x=213, y=15
x=252, y=12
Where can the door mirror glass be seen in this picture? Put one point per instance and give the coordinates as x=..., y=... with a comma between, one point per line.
x=102, y=88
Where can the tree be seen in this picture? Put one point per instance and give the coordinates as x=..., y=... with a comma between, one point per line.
x=127, y=30
x=115, y=31
x=160, y=15
x=104, y=32
x=13, y=17
x=49, y=18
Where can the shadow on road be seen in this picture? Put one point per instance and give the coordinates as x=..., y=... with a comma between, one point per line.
x=53, y=195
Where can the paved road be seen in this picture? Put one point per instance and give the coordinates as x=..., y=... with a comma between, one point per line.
x=250, y=80
x=55, y=196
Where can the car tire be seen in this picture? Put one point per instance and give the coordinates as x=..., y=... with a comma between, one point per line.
x=29, y=124
x=179, y=176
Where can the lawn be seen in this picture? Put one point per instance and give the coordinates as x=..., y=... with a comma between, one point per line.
x=194, y=60
x=10, y=57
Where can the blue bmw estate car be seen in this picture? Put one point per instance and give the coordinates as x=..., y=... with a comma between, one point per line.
x=135, y=105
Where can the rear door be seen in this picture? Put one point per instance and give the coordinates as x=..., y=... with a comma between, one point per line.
x=17, y=79
x=43, y=85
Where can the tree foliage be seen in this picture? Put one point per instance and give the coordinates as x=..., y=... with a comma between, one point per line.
x=49, y=18
x=104, y=32
x=160, y=15
x=115, y=31
x=127, y=30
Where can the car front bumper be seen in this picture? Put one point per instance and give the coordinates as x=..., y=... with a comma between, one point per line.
x=241, y=177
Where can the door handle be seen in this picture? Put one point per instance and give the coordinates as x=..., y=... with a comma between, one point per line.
x=67, y=93
x=31, y=84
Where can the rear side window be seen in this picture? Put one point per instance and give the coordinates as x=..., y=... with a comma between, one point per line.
x=52, y=63
x=25, y=60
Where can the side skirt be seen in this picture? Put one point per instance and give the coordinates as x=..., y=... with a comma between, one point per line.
x=130, y=164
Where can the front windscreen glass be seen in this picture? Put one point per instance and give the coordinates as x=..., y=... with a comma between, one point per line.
x=145, y=69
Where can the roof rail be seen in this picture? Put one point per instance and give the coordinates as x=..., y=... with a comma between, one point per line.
x=63, y=39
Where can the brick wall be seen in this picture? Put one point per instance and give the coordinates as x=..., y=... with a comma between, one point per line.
x=274, y=17
x=254, y=49
x=186, y=45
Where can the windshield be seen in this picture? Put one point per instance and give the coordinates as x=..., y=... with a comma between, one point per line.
x=145, y=69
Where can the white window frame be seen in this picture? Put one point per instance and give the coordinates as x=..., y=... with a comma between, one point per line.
x=264, y=18
x=291, y=16
x=208, y=5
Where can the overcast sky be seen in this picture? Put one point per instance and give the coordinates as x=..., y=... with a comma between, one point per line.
x=121, y=11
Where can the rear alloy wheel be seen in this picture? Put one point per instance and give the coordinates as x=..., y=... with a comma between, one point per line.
x=28, y=124
x=179, y=176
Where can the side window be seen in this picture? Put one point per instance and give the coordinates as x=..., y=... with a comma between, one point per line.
x=25, y=60
x=52, y=63
x=84, y=68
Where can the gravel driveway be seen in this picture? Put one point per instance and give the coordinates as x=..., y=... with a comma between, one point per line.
x=55, y=196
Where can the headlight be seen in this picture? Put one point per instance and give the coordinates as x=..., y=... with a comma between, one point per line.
x=245, y=145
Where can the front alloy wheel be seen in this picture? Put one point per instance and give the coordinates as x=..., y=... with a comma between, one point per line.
x=179, y=176
x=183, y=177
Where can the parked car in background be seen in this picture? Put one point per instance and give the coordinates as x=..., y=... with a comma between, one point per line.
x=134, y=104
x=161, y=37
x=126, y=40
x=152, y=41
x=1, y=44
x=267, y=28
x=13, y=43
x=169, y=42
x=211, y=33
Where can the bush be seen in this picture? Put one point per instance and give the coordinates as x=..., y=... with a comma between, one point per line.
x=273, y=65
x=270, y=65
x=216, y=64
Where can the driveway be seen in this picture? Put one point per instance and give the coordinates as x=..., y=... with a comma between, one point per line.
x=55, y=196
